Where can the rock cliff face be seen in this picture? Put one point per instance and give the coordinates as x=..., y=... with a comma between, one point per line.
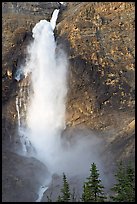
x=99, y=38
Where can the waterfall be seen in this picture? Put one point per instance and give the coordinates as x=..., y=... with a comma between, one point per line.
x=41, y=116
x=41, y=192
x=41, y=104
x=45, y=111
x=21, y=107
x=41, y=107
x=18, y=113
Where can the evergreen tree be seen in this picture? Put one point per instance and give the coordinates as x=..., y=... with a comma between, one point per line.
x=92, y=188
x=65, y=191
x=86, y=195
x=125, y=187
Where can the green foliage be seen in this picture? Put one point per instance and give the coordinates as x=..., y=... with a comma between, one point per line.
x=124, y=189
x=92, y=188
x=65, y=191
x=86, y=195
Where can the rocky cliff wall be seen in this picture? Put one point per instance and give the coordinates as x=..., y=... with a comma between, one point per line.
x=99, y=39
x=102, y=57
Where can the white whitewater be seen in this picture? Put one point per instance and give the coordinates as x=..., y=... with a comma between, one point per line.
x=41, y=109
x=21, y=107
x=41, y=192
x=46, y=111
x=44, y=121
x=54, y=18
x=18, y=112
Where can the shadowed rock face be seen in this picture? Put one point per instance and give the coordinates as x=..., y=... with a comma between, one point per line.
x=21, y=178
x=99, y=39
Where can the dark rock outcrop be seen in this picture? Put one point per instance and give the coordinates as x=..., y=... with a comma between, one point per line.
x=21, y=177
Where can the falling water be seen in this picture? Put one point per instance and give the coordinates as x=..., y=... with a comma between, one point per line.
x=41, y=111
x=21, y=108
x=41, y=108
x=18, y=113
x=41, y=192
x=46, y=111
x=40, y=103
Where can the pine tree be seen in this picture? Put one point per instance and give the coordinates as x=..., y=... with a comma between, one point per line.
x=65, y=191
x=86, y=195
x=125, y=187
x=92, y=188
